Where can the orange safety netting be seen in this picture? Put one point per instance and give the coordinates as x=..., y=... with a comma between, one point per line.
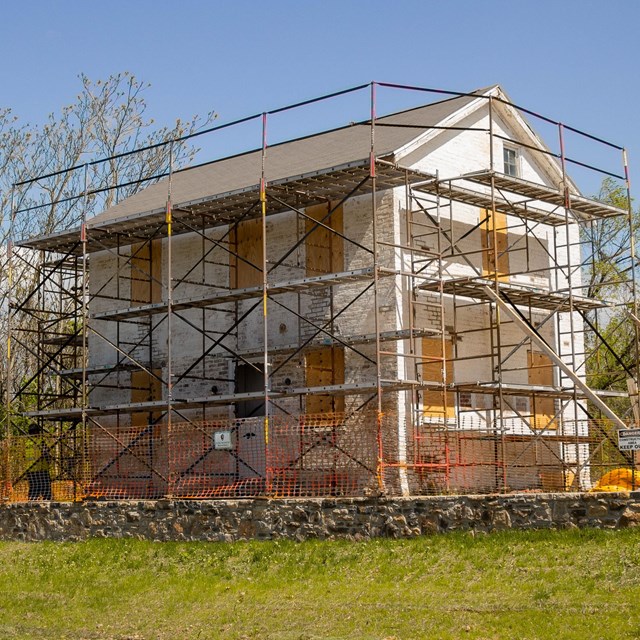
x=332, y=454
x=309, y=455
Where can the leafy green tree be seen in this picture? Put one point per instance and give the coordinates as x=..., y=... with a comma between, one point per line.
x=611, y=337
x=606, y=245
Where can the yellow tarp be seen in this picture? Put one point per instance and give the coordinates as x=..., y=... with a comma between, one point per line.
x=619, y=480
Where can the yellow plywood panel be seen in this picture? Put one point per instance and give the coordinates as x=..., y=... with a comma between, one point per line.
x=248, y=264
x=324, y=366
x=146, y=272
x=324, y=249
x=540, y=370
x=497, y=222
x=145, y=388
x=233, y=261
x=437, y=403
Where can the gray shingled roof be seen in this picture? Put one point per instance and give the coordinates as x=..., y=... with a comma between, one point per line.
x=317, y=152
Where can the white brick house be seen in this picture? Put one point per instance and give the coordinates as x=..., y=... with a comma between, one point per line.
x=379, y=317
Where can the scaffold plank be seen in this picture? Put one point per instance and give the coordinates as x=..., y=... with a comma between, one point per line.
x=246, y=293
x=518, y=294
x=585, y=207
x=225, y=399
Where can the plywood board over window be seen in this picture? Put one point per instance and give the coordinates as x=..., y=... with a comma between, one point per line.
x=324, y=366
x=540, y=370
x=246, y=269
x=146, y=272
x=145, y=388
x=324, y=248
x=495, y=222
x=435, y=366
x=146, y=287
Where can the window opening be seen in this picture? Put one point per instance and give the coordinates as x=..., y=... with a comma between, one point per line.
x=510, y=157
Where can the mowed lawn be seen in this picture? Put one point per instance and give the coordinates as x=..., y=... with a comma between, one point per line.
x=566, y=584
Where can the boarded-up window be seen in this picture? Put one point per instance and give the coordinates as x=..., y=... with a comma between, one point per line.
x=324, y=249
x=324, y=366
x=495, y=221
x=541, y=375
x=465, y=400
x=247, y=238
x=146, y=287
x=521, y=404
x=437, y=403
x=146, y=272
x=145, y=388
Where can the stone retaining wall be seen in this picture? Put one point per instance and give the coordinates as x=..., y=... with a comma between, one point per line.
x=350, y=518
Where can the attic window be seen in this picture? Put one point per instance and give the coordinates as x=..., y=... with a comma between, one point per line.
x=510, y=156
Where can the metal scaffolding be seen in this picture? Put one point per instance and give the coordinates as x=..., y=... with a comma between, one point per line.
x=122, y=411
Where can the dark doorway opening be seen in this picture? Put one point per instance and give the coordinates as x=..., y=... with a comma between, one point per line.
x=250, y=379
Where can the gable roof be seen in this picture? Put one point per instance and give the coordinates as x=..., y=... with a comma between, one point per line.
x=326, y=166
x=316, y=152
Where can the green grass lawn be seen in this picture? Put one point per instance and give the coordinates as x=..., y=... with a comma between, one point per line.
x=572, y=584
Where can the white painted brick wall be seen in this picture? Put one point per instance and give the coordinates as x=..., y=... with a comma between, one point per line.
x=451, y=154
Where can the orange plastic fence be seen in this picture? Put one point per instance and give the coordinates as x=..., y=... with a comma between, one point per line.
x=286, y=456
x=305, y=455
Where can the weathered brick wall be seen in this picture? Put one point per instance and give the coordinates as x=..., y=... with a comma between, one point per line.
x=356, y=518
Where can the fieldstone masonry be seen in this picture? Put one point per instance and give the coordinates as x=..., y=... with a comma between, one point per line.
x=355, y=518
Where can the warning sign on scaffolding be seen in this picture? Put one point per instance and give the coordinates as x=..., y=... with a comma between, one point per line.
x=629, y=439
x=222, y=440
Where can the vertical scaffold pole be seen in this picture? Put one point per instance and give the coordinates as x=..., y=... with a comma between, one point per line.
x=632, y=256
x=376, y=315
x=498, y=332
x=265, y=317
x=567, y=205
x=84, y=319
x=634, y=285
x=567, y=208
x=169, y=223
x=443, y=339
x=9, y=373
x=411, y=420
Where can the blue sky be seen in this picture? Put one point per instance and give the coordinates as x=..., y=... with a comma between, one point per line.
x=573, y=60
